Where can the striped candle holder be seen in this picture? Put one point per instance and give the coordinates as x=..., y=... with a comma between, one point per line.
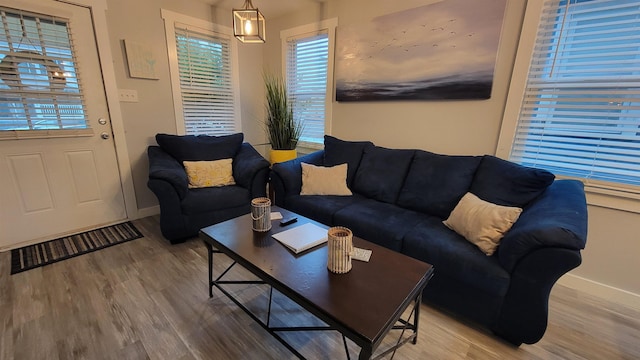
x=340, y=246
x=261, y=214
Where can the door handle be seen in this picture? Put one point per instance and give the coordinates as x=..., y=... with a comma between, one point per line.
x=104, y=135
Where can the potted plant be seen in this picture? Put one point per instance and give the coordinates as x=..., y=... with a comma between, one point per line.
x=282, y=129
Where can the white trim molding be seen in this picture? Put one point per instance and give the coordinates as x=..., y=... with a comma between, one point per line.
x=99, y=17
x=610, y=293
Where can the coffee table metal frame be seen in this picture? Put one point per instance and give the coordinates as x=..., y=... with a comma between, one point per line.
x=367, y=347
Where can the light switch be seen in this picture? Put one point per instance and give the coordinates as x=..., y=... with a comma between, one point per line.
x=127, y=95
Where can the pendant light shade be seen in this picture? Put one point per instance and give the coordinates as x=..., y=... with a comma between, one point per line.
x=248, y=24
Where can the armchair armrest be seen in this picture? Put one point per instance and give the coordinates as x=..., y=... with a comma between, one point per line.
x=163, y=166
x=556, y=219
x=286, y=177
x=251, y=170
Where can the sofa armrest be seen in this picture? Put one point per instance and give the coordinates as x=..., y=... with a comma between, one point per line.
x=286, y=177
x=163, y=166
x=525, y=308
x=556, y=219
x=251, y=170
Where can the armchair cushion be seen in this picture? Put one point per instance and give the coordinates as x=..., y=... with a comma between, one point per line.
x=200, y=147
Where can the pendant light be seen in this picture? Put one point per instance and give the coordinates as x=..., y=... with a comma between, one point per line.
x=248, y=24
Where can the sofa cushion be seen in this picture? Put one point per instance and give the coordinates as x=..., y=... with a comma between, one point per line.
x=435, y=183
x=338, y=151
x=381, y=223
x=321, y=180
x=200, y=147
x=214, y=198
x=382, y=172
x=320, y=208
x=455, y=257
x=481, y=222
x=506, y=183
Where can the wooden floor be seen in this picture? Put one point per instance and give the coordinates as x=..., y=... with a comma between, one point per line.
x=146, y=299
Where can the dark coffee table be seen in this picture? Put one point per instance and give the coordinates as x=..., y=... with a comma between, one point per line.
x=363, y=304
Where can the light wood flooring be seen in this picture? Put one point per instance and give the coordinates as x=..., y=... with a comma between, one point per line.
x=146, y=299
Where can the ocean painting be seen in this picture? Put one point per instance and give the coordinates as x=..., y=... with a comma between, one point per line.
x=445, y=50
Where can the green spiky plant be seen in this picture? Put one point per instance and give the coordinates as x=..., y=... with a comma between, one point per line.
x=281, y=128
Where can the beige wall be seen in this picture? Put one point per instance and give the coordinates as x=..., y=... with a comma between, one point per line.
x=140, y=21
x=449, y=127
x=470, y=127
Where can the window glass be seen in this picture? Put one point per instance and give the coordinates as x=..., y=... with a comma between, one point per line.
x=39, y=87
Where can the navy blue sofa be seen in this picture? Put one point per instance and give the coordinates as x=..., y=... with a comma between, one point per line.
x=184, y=211
x=400, y=198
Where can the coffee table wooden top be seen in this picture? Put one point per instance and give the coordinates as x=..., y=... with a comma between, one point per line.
x=365, y=302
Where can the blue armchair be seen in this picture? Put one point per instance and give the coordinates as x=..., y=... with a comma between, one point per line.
x=184, y=210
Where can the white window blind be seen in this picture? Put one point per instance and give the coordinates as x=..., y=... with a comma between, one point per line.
x=206, y=85
x=306, y=67
x=39, y=87
x=580, y=116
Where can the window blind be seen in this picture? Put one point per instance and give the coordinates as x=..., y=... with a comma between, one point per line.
x=306, y=66
x=39, y=87
x=204, y=64
x=580, y=116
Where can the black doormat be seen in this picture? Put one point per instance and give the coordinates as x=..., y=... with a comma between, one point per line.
x=33, y=256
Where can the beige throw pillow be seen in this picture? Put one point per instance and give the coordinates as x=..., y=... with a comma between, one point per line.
x=203, y=174
x=319, y=180
x=481, y=222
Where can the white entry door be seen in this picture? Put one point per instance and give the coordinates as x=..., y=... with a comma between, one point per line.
x=58, y=168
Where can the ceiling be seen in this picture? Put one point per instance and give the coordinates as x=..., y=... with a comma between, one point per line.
x=269, y=8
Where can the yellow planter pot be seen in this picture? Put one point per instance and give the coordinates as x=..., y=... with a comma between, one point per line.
x=277, y=156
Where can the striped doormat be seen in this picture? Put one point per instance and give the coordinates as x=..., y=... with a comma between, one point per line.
x=33, y=256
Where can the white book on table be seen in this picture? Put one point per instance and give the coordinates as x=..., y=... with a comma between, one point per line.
x=303, y=237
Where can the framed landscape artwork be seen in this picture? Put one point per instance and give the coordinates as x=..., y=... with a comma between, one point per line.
x=445, y=50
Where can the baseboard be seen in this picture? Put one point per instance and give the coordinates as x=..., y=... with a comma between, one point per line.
x=594, y=288
x=148, y=211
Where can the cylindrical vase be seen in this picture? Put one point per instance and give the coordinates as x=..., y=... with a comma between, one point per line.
x=340, y=247
x=261, y=214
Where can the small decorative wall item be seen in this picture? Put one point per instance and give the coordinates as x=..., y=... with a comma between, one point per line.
x=445, y=50
x=340, y=247
x=261, y=214
x=141, y=60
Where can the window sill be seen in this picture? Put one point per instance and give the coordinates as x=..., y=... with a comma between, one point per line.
x=613, y=199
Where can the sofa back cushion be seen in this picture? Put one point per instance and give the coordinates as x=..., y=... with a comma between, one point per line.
x=509, y=184
x=436, y=183
x=200, y=147
x=382, y=172
x=338, y=152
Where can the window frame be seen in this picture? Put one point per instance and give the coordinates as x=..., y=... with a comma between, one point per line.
x=170, y=19
x=308, y=30
x=83, y=127
x=603, y=195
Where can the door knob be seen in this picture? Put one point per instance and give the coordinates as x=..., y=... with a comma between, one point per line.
x=104, y=135
x=102, y=121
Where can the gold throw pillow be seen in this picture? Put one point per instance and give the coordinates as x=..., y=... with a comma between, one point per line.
x=204, y=174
